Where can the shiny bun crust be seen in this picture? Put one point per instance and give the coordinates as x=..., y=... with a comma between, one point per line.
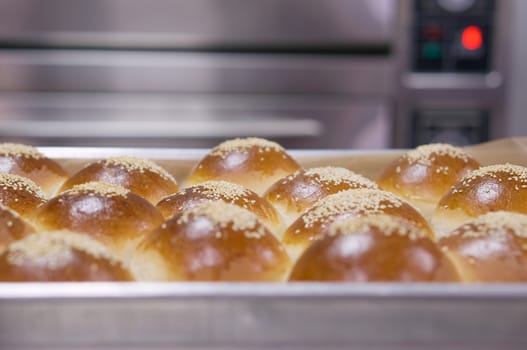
x=315, y=222
x=109, y=213
x=60, y=257
x=427, y=172
x=214, y=241
x=252, y=162
x=225, y=191
x=12, y=227
x=141, y=176
x=28, y=162
x=295, y=193
x=491, y=248
x=20, y=194
x=374, y=248
x=488, y=189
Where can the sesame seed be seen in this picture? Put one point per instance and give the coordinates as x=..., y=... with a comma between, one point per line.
x=386, y=224
x=224, y=214
x=495, y=224
x=55, y=249
x=15, y=149
x=244, y=145
x=513, y=172
x=425, y=154
x=221, y=190
x=99, y=188
x=139, y=164
x=338, y=175
x=369, y=200
x=20, y=183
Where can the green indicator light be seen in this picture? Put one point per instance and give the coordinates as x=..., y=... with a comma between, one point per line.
x=431, y=51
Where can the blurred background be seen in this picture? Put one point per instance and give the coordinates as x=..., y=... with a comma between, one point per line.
x=307, y=73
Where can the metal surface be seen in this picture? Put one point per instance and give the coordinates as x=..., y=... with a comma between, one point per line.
x=184, y=72
x=197, y=23
x=262, y=316
x=516, y=103
x=311, y=74
x=192, y=121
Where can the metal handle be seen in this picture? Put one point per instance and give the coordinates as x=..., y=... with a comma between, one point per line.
x=161, y=129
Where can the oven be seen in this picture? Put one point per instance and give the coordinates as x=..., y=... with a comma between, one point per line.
x=309, y=74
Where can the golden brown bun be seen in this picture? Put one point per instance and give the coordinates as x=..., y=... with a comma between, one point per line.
x=60, y=256
x=214, y=241
x=374, y=248
x=225, y=191
x=423, y=175
x=111, y=214
x=20, y=194
x=491, y=248
x=315, y=222
x=139, y=175
x=295, y=193
x=28, y=162
x=252, y=162
x=12, y=227
x=493, y=188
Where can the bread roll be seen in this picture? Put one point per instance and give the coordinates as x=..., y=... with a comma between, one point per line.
x=214, y=241
x=28, y=162
x=20, y=194
x=295, y=193
x=374, y=248
x=111, y=214
x=315, y=222
x=423, y=175
x=252, y=162
x=228, y=192
x=141, y=176
x=488, y=189
x=59, y=257
x=491, y=248
x=12, y=227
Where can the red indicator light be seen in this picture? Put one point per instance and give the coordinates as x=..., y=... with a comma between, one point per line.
x=472, y=38
x=432, y=32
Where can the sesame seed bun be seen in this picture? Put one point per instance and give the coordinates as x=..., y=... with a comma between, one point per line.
x=374, y=248
x=214, y=241
x=111, y=214
x=141, y=176
x=251, y=162
x=501, y=187
x=28, y=162
x=491, y=248
x=60, y=256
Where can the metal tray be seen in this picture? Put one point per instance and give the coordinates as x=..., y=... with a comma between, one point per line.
x=262, y=316
x=257, y=315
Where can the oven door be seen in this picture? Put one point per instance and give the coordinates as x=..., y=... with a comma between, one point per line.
x=198, y=24
x=49, y=119
x=193, y=73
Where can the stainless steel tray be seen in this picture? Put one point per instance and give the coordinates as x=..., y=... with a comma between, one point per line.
x=257, y=315
x=262, y=316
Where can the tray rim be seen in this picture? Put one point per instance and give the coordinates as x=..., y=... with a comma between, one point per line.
x=233, y=290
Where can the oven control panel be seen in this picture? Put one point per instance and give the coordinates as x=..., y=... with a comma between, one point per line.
x=452, y=35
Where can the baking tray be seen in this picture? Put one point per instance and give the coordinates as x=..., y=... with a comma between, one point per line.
x=262, y=315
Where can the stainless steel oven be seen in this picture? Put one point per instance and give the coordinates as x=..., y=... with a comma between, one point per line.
x=309, y=74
